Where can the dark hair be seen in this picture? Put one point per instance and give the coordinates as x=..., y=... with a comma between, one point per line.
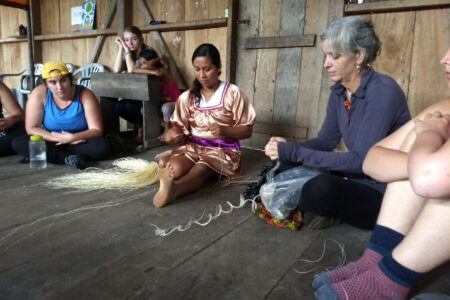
x=350, y=34
x=208, y=50
x=136, y=31
x=157, y=63
x=148, y=53
x=70, y=75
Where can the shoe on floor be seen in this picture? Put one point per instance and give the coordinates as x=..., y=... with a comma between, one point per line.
x=75, y=161
x=314, y=221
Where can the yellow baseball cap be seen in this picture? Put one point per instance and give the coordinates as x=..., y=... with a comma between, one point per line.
x=54, y=66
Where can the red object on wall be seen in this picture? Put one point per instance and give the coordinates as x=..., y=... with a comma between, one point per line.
x=23, y=4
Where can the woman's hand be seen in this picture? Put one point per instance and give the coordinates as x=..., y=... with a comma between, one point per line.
x=5, y=123
x=172, y=136
x=119, y=41
x=65, y=137
x=217, y=130
x=271, y=148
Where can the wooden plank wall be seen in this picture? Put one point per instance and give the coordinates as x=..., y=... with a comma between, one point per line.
x=412, y=43
x=13, y=56
x=55, y=19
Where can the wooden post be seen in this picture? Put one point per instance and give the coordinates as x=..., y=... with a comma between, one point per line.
x=35, y=29
x=233, y=15
x=162, y=47
x=101, y=38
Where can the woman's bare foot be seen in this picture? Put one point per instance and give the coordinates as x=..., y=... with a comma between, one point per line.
x=166, y=192
x=140, y=134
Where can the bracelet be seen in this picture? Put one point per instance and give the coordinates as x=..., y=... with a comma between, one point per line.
x=126, y=53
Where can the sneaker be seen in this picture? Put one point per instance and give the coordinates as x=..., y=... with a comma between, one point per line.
x=75, y=161
x=24, y=160
x=319, y=222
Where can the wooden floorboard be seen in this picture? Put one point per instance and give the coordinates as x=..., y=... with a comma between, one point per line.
x=57, y=244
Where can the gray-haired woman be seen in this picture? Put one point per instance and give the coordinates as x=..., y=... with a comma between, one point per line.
x=364, y=106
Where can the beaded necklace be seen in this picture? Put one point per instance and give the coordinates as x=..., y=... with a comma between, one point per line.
x=347, y=107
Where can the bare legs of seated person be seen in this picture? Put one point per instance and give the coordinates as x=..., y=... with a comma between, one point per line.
x=179, y=176
x=410, y=238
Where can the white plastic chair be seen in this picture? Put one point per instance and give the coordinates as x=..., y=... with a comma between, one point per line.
x=85, y=72
x=24, y=86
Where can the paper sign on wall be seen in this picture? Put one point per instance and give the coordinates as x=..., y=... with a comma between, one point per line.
x=87, y=15
x=75, y=14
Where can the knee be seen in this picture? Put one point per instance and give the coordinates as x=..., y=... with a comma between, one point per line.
x=20, y=145
x=316, y=192
x=316, y=187
x=100, y=150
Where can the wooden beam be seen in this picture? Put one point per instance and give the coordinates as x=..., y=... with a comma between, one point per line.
x=281, y=130
x=75, y=35
x=13, y=40
x=232, y=28
x=188, y=25
x=162, y=47
x=393, y=5
x=107, y=20
x=281, y=41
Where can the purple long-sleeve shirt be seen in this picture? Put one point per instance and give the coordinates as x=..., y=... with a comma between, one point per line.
x=378, y=108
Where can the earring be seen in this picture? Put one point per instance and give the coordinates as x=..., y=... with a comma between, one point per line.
x=358, y=67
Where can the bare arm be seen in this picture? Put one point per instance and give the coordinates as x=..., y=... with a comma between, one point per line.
x=9, y=102
x=138, y=70
x=129, y=62
x=387, y=160
x=35, y=114
x=92, y=112
x=429, y=157
x=118, y=62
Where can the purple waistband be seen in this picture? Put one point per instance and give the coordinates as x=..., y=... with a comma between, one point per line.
x=224, y=143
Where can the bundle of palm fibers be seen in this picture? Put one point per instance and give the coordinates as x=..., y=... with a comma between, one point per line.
x=127, y=173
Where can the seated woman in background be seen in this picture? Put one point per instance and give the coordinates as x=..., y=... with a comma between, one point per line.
x=127, y=59
x=210, y=118
x=11, y=125
x=67, y=116
x=151, y=63
x=364, y=106
x=412, y=232
x=128, y=49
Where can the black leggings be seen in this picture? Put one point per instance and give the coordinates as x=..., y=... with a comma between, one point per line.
x=96, y=148
x=8, y=136
x=354, y=203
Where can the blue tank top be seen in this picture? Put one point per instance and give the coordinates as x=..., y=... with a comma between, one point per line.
x=69, y=119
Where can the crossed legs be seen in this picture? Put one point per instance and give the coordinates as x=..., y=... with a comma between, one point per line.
x=179, y=176
x=423, y=223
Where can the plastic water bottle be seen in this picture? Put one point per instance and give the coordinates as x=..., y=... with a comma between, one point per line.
x=38, y=154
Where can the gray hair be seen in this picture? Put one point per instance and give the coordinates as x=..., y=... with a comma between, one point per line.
x=350, y=34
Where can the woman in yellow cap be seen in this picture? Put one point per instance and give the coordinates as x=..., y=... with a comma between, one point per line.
x=67, y=116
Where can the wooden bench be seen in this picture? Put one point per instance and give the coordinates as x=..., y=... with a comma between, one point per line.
x=140, y=87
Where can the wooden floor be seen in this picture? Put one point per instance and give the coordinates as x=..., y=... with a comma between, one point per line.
x=56, y=244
